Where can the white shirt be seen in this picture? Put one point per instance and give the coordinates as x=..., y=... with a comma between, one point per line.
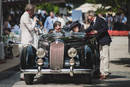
x=123, y=19
x=16, y=29
x=27, y=26
x=62, y=21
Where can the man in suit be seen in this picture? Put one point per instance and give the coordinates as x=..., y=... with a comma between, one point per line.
x=99, y=27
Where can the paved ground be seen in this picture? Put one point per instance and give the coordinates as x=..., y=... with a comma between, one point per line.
x=10, y=63
x=119, y=66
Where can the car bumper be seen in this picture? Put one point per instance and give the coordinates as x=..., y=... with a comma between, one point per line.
x=61, y=71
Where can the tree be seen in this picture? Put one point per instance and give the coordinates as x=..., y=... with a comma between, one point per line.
x=48, y=7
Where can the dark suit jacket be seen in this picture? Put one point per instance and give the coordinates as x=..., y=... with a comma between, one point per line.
x=101, y=26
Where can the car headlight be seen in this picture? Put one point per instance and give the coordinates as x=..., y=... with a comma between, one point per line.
x=72, y=52
x=41, y=53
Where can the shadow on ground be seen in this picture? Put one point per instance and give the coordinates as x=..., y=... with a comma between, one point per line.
x=122, y=61
x=9, y=72
x=65, y=79
x=60, y=79
x=119, y=83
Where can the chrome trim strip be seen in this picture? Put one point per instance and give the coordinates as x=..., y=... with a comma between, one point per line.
x=61, y=71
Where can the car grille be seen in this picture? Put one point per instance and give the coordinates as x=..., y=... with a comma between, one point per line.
x=56, y=55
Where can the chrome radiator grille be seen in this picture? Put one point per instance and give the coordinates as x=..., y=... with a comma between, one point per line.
x=56, y=55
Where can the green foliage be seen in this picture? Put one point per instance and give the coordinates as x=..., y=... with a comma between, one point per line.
x=56, y=9
x=48, y=7
x=91, y=1
x=101, y=10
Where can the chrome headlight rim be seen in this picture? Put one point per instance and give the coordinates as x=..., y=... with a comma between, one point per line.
x=40, y=53
x=72, y=52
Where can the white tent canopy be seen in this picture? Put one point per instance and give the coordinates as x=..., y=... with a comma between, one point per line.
x=87, y=7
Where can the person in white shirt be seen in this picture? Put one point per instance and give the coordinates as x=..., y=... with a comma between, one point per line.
x=123, y=18
x=27, y=26
x=123, y=22
x=15, y=28
x=59, y=18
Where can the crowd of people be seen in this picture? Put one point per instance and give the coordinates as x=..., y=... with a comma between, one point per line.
x=11, y=22
x=116, y=22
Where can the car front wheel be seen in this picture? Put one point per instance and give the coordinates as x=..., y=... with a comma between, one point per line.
x=29, y=78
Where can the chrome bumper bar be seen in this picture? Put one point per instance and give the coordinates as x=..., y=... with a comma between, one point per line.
x=61, y=71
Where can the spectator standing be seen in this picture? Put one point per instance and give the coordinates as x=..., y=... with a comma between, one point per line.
x=42, y=15
x=123, y=21
x=48, y=25
x=109, y=20
x=7, y=22
x=15, y=28
x=99, y=27
x=27, y=26
x=65, y=18
x=123, y=18
x=16, y=31
x=60, y=19
x=116, y=21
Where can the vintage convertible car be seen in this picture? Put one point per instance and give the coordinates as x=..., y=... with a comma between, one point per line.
x=71, y=53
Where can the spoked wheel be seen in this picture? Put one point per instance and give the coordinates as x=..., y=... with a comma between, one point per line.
x=28, y=78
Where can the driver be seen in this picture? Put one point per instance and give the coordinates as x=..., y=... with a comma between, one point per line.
x=57, y=29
